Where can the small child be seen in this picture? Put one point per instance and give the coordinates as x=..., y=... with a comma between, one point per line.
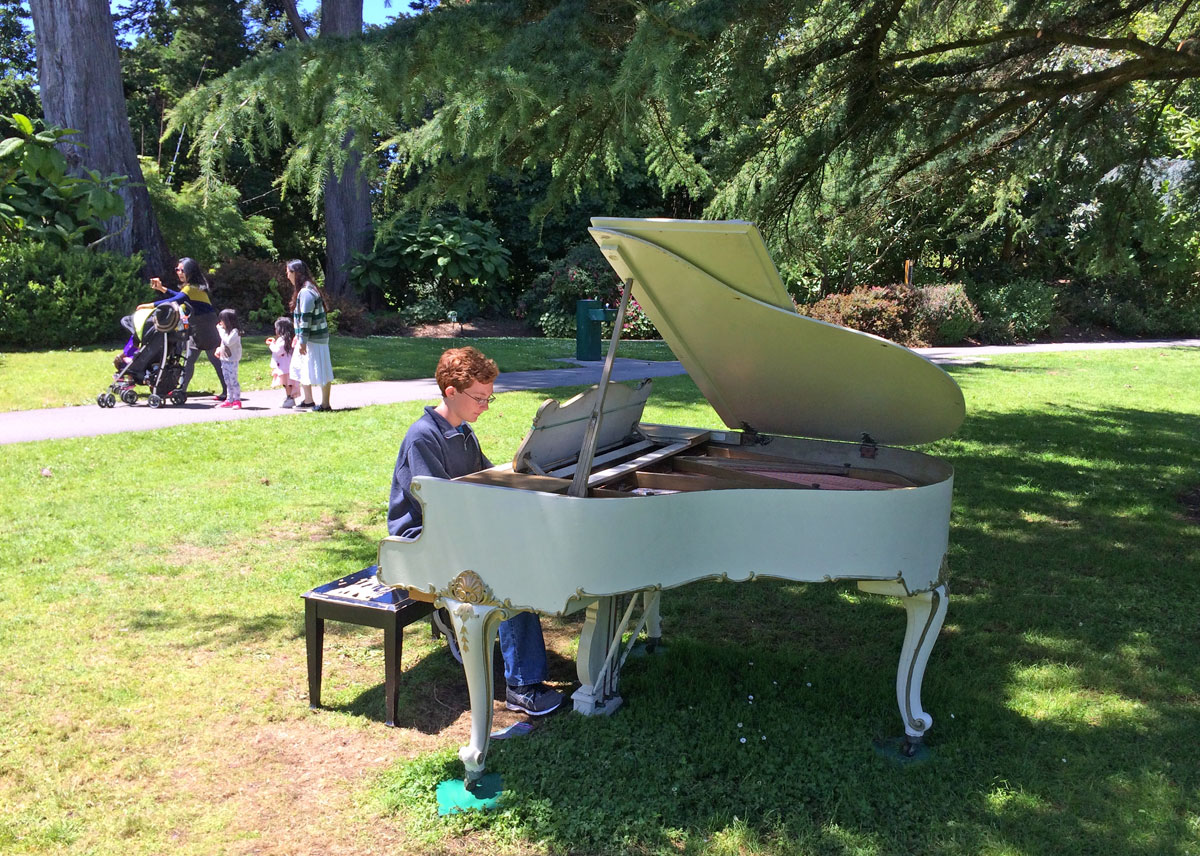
x=281, y=360
x=230, y=353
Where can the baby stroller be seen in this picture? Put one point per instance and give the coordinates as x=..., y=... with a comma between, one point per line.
x=161, y=333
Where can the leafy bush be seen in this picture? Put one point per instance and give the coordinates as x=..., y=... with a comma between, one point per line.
x=252, y=287
x=583, y=274
x=202, y=218
x=888, y=311
x=946, y=315
x=40, y=199
x=1018, y=310
x=445, y=260
x=51, y=296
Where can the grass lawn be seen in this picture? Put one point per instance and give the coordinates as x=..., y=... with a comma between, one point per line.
x=152, y=662
x=31, y=380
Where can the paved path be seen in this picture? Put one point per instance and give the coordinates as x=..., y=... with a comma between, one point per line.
x=89, y=420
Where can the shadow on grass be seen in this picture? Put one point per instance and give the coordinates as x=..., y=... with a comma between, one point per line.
x=1063, y=689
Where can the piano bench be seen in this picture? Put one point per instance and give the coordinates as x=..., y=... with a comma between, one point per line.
x=359, y=599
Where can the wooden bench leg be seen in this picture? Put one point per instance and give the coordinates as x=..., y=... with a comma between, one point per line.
x=314, y=635
x=393, y=649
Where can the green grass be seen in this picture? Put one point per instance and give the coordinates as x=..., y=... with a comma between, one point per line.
x=153, y=698
x=30, y=380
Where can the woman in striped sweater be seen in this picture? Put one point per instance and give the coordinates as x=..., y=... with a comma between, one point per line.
x=311, y=365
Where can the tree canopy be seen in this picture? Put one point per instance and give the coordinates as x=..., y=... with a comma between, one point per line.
x=799, y=114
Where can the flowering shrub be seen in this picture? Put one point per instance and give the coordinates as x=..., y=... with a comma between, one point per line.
x=946, y=315
x=891, y=312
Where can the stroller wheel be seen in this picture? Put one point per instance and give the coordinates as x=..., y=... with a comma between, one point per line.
x=178, y=396
x=110, y=400
x=129, y=396
x=155, y=400
x=100, y=400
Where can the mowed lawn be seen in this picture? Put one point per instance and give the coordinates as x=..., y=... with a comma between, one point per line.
x=153, y=696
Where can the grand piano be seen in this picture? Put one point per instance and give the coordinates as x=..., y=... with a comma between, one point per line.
x=601, y=512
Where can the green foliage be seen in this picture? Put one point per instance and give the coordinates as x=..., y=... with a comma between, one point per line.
x=18, y=63
x=888, y=311
x=272, y=308
x=1018, y=310
x=449, y=261
x=203, y=219
x=40, y=200
x=947, y=314
x=252, y=287
x=54, y=296
x=583, y=274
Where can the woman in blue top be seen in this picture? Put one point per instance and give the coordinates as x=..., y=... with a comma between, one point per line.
x=202, y=320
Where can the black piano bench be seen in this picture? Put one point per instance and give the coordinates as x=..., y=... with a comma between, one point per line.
x=359, y=599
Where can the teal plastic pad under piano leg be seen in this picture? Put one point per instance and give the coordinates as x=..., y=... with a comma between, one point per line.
x=453, y=796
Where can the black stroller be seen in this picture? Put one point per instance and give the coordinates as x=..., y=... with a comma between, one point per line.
x=162, y=335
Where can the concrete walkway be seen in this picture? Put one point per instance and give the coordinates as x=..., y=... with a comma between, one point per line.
x=89, y=420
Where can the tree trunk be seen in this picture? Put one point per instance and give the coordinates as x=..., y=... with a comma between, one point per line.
x=79, y=73
x=348, y=226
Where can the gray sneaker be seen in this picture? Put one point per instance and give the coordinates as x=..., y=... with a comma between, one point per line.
x=289, y=402
x=533, y=699
x=441, y=620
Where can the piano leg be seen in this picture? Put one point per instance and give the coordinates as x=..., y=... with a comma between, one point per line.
x=925, y=611
x=599, y=625
x=476, y=627
x=650, y=600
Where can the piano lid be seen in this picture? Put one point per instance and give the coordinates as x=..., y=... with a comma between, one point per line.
x=712, y=291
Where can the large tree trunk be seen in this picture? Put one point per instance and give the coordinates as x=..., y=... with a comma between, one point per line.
x=79, y=73
x=347, y=197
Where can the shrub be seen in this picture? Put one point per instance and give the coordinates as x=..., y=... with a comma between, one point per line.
x=253, y=287
x=1015, y=311
x=946, y=314
x=55, y=297
x=583, y=274
x=890, y=312
x=447, y=259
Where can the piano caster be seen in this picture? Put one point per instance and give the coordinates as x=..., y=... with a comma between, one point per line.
x=910, y=747
x=652, y=643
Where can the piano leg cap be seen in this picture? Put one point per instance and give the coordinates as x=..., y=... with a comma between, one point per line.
x=903, y=750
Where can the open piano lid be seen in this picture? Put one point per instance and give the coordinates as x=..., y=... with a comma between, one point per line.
x=712, y=291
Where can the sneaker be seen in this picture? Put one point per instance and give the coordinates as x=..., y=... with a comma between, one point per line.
x=306, y=403
x=441, y=620
x=322, y=408
x=288, y=402
x=220, y=397
x=236, y=404
x=533, y=699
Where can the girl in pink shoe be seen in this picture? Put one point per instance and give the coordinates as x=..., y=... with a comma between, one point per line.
x=230, y=353
x=280, y=346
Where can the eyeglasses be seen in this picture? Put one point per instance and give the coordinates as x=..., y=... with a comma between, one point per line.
x=482, y=402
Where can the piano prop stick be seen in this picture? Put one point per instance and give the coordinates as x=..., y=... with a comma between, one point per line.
x=597, y=504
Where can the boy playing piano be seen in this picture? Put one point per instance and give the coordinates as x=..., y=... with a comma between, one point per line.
x=441, y=444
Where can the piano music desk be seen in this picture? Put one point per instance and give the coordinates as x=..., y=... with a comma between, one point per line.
x=359, y=599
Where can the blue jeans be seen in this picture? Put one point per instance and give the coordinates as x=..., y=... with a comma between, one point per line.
x=523, y=649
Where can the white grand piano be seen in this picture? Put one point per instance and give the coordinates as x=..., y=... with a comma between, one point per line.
x=807, y=484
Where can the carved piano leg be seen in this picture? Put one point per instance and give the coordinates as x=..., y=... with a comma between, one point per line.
x=925, y=611
x=476, y=628
x=650, y=600
x=599, y=625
